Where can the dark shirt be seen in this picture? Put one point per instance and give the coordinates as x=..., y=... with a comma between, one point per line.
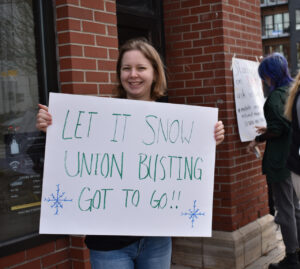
x=277, y=137
x=106, y=243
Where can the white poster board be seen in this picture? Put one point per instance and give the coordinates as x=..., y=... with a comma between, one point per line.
x=123, y=167
x=249, y=98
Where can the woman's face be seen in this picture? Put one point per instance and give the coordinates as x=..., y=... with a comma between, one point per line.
x=137, y=75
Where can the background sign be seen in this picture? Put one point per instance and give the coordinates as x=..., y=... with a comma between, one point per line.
x=123, y=167
x=249, y=98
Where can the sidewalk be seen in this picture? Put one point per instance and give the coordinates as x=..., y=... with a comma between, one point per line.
x=263, y=262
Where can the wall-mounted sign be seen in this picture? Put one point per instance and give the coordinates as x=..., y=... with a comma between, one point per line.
x=249, y=98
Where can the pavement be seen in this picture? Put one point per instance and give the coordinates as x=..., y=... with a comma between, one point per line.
x=263, y=262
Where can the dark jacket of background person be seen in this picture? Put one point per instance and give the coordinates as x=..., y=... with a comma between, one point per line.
x=293, y=162
x=277, y=148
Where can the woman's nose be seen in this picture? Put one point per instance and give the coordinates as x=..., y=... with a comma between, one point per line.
x=133, y=72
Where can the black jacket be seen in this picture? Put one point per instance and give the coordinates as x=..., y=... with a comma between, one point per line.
x=293, y=162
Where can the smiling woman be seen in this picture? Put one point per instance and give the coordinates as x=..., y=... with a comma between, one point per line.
x=141, y=69
x=137, y=75
x=141, y=76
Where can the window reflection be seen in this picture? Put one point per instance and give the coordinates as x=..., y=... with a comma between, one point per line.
x=297, y=19
x=21, y=146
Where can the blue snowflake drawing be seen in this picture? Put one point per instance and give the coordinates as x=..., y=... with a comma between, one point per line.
x=193, y=213
x=57, y=200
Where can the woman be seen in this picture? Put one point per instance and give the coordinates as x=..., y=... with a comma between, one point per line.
x=292, y=112
x=140, y=75
x=273, y=70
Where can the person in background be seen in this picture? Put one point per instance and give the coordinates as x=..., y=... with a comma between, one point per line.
x=273, y=70
x=140, y=76
x=292, y=112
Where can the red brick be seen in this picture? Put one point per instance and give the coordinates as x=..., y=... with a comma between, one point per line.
x=113, y=54
x=110, y=7
x=96, y=77
x=76, y=38
x=106, y=18
x=191, y=35
x=74, y=12
x=190, y=3
x=64, y=2
x=63, y=265
x=112, y=30
x=70, y=50
x=190, y=19
x=62, y=243
x=189, y=52
x=72, y=76
x=99, y=4
x=54, y=258
x=36, y=264
x=12, y=259
x=78, y=88
x=81, y=265
x=79, y=254
x=107, y=65
x=95, y=52
x=68, y=24
x=77, y=63
x=40, y=250
x=105, y=41
x=200, y=9
x=77, y=241
x=92, y=27
x=182, y=45
x=107, y=89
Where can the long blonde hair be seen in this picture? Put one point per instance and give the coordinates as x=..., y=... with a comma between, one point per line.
x=290, y=100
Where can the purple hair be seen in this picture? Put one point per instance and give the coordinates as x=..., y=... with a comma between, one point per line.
x=275, y=67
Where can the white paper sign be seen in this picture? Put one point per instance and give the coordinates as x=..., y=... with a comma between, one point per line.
x=249, y=98
x=123, y=167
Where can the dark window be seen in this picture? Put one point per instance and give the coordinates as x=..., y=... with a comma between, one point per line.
x=141, y=18
x=275, y=25
x=27, y=72
x=284, y=49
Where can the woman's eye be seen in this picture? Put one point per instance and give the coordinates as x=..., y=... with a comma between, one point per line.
x=125, y=68
x=141, y=68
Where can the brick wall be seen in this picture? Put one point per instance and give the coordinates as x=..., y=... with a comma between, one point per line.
x=87, y=45
x=202, y=36
x=51, y=255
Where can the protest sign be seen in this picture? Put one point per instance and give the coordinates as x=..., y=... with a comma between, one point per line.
x=249, y=99
x=124, y=167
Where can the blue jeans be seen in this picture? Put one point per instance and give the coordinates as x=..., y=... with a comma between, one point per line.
x=147, y=253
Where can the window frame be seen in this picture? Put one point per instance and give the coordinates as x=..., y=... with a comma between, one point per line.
x=285, y=30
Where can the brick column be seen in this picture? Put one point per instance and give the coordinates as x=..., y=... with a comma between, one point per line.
x=202, y=36
x=87, y=45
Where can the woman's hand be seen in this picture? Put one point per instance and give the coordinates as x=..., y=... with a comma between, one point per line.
x=251, y=146
x=219, y=132
x=43, y=118
x=261, y=129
